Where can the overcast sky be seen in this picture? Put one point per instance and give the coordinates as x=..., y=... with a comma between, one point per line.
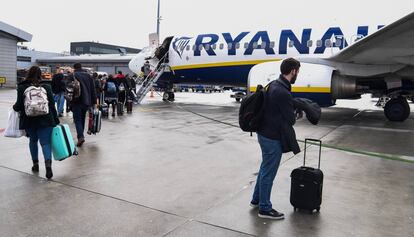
x=56, y=23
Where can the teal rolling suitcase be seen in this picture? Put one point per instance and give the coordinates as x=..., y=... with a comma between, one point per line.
x=62, y=143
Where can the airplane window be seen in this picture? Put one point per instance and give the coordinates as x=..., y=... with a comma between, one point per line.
x=188, y=47
x=200, y=47
x=263, y=45
x=319, y=43
x=207, y=47
x=328, y=43
x=290, y=44
x=237, y=45
x=309, y=43
x=214, y=46
x=338, y=42
x=272, y=44
x=255, y=45
x=221, y=46
x=230, y=45
x=246, y=45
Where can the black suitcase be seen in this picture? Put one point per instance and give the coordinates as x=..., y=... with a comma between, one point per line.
x=120, y=108
x=306, y=185
x=129, y=106
x=104, y=109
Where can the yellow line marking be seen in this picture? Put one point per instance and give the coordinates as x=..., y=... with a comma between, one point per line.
x=303, y=89
x=223, y=64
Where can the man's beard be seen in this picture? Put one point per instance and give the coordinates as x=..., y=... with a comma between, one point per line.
x=293, y=80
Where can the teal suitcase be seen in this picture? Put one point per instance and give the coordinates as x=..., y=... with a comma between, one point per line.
x=62, y=143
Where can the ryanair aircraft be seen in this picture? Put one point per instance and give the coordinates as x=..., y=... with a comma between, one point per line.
x=336, y=62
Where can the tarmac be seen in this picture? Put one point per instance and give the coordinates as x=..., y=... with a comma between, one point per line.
x=181, y=169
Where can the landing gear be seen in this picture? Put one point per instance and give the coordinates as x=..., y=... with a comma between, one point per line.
x=397, y=109
x=168, y=96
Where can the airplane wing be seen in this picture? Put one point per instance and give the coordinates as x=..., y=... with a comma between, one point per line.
x=393, y=44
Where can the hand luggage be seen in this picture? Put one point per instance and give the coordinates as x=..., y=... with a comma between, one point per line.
x=104, y=110
x=95, y=119
x=306, y=184
x=120, y=108
x=129, y=106
x=62, y=142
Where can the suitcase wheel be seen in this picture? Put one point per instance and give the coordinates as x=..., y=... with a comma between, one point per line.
x=318, y=209
x=295, y=209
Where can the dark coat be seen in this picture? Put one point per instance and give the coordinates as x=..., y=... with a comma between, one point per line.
x=58, y=83
x=88, y=93
x=49, y=120
x=279, y=116
x=312, y=109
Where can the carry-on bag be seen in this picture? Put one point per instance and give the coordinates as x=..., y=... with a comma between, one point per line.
x=104, y=110
x=95, y=120
x=62, y=142
x=306, y=184
x=120, y=108
x=129, y=106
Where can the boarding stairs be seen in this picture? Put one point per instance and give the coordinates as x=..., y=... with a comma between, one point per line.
x=150, y=81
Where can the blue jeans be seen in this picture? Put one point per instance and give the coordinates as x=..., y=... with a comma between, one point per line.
x=271, y=156
x=43, y=135
x=79, y=116
x=60, y=102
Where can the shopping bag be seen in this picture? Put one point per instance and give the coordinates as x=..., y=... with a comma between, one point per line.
x=12, y=129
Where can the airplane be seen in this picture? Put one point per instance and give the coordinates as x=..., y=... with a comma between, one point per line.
x=336, y=62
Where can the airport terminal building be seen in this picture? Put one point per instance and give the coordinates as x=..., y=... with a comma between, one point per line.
x=79, y=48
x=9, y=37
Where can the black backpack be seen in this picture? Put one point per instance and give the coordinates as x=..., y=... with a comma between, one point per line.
x=252, y=110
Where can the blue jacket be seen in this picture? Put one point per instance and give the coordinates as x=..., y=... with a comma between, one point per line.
x=279, y=115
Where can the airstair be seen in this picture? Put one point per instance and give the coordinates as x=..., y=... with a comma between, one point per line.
x=152, y=79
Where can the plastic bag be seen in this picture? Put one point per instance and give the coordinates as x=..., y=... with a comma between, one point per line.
x=12, y=129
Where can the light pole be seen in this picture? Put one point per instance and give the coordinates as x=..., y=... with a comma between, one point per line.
x=158, y=22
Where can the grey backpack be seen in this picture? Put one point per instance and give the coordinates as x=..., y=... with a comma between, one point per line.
x=35, y=101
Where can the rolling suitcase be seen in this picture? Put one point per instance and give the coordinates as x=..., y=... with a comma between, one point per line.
x=120, y=108
x=306, y=184
x=95, y=120
x=104, y=110
x=129, y=106
x=62, y=142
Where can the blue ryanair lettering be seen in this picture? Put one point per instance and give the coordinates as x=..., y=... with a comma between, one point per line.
x=233, y=42
x=206, y=45
x=362, y=30
x=335, y=32
x=264, y=37
x=301, y=46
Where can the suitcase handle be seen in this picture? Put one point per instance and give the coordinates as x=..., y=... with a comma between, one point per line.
x=320, y=150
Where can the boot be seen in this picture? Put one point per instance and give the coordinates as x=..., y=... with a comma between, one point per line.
x=49, y=173
x=35, y=167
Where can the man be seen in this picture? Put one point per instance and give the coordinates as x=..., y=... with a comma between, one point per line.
x=146, y=69
x=279, y=114
x=123, y=87
x=86, y=100
x=58, y=89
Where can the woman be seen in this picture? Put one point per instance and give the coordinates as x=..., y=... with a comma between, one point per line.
x=38, y=126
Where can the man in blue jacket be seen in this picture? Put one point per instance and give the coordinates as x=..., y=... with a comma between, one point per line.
x=86, y=100
x=279, y=117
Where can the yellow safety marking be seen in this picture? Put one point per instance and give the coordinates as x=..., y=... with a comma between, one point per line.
x=223, y=64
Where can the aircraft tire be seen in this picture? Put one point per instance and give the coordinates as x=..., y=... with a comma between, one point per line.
x=397, y=109
x=166, y=96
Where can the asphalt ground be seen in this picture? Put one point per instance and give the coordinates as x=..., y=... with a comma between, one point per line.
x=183, y=169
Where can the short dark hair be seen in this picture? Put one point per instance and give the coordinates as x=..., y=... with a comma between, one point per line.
x=288, y=65
x=119, y=72
x=77, y=66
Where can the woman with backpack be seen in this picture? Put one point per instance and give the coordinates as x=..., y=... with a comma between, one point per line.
x=111, y=93
x=38, y=116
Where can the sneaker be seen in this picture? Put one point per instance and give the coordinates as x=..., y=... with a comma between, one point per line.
x=254, y=204
x=272, y=214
